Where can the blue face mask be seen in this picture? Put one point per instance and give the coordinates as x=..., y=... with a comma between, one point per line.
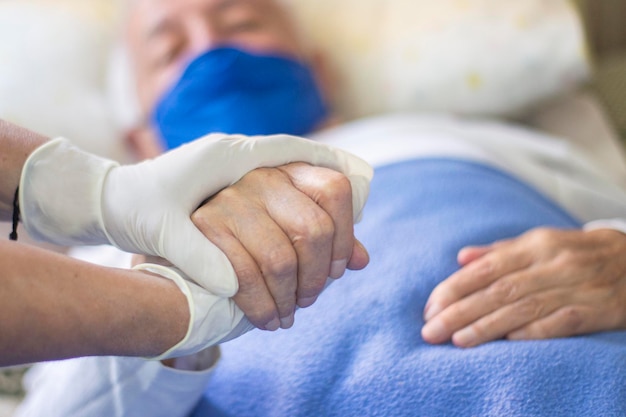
x=230, y=91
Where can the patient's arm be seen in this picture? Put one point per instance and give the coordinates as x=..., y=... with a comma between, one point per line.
x=285, y=230
x=543, y=284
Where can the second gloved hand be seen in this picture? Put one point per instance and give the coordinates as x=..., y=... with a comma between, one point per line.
x=212, y=319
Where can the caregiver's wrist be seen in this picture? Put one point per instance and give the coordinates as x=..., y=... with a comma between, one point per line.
x=16, y=145
x=170, y=314
x=155, y=319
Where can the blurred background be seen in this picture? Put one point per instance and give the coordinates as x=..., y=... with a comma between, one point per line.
x=605, y=21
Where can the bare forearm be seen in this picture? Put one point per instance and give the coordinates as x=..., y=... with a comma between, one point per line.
x=56, y=307
x=15, y=145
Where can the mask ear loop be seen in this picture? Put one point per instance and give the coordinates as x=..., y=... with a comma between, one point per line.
x=16, y=214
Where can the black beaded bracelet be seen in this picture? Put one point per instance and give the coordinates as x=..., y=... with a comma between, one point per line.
x=16, y=214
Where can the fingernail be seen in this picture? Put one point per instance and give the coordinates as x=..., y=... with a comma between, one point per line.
x=287, y=322
x=273, y=325
x=431, y=310
x=337, y=268
x=434, y=332
x=306, y=302
x=425, y=315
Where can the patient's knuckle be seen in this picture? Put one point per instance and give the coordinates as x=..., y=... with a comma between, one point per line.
x=314, y=226
x=566, y=258
x=504, y=291
x=286, y=305
x=572, y=319
x=248, y=276
x=541, y=236
x=224, y=201
x=551, y=240
x=531, y=308
x=482, y=329
x=208, y=222
x=200, y=217
x=309, y=291
x=280, y=263
x=540, y=233
x=312, y=284
x=484, y=268
x=455, y=310
x=337, y=184
x=260, y=313
x=259, y=174
x=226, y=194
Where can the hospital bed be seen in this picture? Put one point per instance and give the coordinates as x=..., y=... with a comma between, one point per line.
x=369, y=46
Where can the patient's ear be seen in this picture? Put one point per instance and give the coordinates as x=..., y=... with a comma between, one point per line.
x=143, y=143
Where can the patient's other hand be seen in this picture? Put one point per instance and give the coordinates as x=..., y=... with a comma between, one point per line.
x=544, y=284
x=285, y=230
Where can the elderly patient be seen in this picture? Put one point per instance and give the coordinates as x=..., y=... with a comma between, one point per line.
x=516, y=210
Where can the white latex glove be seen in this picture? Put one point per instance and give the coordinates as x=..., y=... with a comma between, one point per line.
x=212, y=319
x=70, y=197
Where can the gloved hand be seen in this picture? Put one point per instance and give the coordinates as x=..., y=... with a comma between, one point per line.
x=212, y=319
x=70, y=197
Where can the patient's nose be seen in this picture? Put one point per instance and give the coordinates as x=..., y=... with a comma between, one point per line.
x=203, y=36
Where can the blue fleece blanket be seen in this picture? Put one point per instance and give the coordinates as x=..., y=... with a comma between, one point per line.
x=358, y=351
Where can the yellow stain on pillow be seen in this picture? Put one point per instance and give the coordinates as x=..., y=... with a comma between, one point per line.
x=104, y=11
x=522, y=22
x=463, y=4
x=474, y=81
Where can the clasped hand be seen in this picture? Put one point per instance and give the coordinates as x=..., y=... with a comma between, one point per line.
x=285, y=230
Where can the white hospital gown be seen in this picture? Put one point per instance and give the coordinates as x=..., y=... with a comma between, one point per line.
x=129, y=387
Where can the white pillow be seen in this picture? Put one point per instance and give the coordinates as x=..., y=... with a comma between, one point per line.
x=474, y=57
x=53, y=70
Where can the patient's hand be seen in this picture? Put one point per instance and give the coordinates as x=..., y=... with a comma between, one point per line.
x=285, y=230
x=543, y=284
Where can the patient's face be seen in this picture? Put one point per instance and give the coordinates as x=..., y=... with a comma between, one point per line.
x=165, y=35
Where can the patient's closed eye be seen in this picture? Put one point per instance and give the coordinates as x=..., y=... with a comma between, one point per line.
x=169, y=54
x=247, y=25
x=241, y=22
x=240, y=17
x=165, y=42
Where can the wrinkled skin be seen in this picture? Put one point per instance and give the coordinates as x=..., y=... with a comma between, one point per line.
x=543, y=284
x=248, y=218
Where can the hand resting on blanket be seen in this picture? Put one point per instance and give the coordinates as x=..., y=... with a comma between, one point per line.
x=544, y=284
